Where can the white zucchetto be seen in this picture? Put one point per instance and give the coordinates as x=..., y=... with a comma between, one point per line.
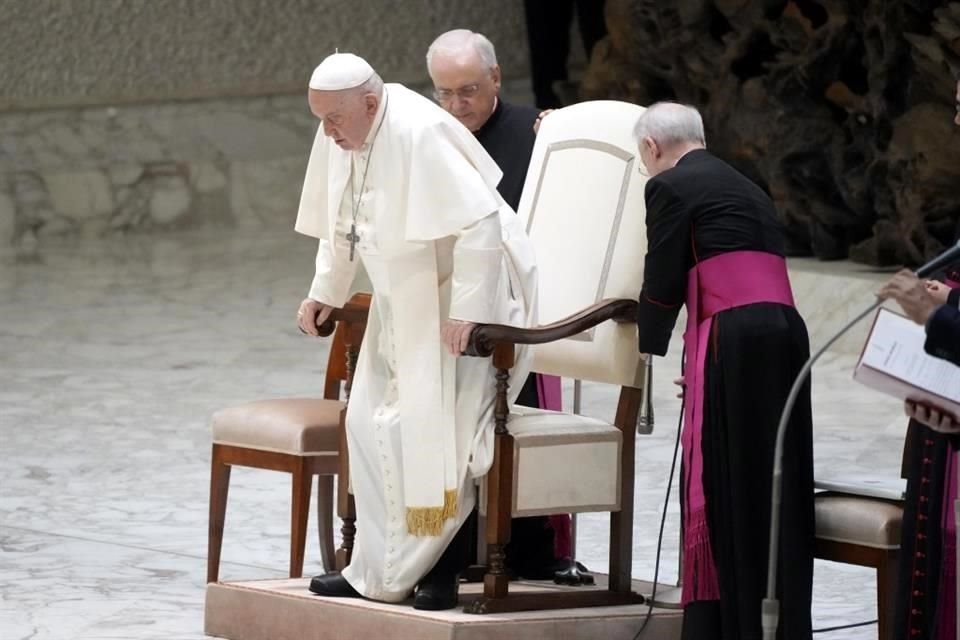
x=340, y=71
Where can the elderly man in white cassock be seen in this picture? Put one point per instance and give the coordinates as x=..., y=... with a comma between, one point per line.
x=397, y=185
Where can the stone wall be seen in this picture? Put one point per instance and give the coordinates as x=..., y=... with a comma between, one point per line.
x=71, y=52
x=92, y=171
x=149, y=115
x=235, y=162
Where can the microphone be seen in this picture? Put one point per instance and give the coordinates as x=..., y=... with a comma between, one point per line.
x=946, y=258
x=770, y=608
x=645, y=419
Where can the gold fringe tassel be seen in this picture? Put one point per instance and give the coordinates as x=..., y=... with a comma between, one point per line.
x=429, y=521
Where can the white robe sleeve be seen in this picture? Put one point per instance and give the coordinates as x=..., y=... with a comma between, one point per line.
x=452, y=183
x=334, y=275
x=477, y=270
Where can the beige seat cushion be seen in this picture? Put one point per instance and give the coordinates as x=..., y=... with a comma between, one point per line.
x=869, y=522
x=300, y=426
x=563, y=463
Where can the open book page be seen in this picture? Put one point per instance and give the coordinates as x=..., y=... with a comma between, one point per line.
x=862, y=484
x=893, y=361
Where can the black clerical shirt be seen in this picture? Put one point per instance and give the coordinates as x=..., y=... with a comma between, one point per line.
x=508, y=137
x=700, y=208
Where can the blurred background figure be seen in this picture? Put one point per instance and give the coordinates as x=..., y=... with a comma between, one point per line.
x=548, y=29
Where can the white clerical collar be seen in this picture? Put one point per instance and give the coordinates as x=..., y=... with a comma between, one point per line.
x=377, y=121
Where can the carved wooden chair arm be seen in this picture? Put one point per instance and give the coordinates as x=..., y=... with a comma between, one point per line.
x=485, y=338
x=354, y=312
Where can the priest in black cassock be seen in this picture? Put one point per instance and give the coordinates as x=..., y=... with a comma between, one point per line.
x=926, y=593
x=466, y=78
x=715, y=245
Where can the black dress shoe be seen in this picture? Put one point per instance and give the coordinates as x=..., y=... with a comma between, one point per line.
x=437, y=592
x=333, y=585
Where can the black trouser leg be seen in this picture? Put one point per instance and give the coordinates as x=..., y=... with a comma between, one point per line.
x=548, y=31
x=593, y=27
x=455, y=557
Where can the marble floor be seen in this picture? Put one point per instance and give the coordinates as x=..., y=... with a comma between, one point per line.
x=114, y=353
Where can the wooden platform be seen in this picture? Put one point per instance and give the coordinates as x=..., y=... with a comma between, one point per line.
x=286, y=610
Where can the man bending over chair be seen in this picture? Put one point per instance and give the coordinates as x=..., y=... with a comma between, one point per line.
x=714, y=244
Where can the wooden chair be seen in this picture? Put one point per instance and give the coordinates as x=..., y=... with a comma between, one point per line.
x=299, y=436
x=351, y=323
x=589, y=244
x=864, y=531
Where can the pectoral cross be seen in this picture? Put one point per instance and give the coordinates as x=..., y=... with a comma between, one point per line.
x=353, y=237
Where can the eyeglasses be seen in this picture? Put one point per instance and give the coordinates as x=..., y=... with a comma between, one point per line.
x=464, y=93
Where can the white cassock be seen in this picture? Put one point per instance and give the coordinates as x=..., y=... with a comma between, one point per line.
x=437, y=242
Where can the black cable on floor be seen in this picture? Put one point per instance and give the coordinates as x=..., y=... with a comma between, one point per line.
x=663, y=521
x=846, y=626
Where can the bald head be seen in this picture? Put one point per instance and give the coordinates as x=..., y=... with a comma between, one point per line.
x=465, y=74
x=665, y=132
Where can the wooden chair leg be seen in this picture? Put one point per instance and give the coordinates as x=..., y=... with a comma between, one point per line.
x=621, y=522
x=886, y=593
x=500, y=496
x=325, y=521
x=496, y=582
x=219, y=485
x=347, y=510
x=299, y=513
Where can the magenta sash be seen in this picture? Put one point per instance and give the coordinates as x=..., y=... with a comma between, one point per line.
x=717, y=284
x=549, y=392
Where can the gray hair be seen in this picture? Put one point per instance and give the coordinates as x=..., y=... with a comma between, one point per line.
x=373, y=84
x=670, y=123
x=459, y=39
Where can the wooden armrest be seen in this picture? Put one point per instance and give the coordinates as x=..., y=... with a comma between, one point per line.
x=355, y=311
x=485, y=337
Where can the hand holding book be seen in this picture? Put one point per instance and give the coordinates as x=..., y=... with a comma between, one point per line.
x=935, y=418
x=894, y=361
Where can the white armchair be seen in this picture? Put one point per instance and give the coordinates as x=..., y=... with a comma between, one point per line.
x=583, y=208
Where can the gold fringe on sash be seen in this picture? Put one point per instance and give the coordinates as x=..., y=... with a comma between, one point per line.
x=429, y=521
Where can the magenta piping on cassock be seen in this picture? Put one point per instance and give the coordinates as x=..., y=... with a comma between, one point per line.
x=947, y=593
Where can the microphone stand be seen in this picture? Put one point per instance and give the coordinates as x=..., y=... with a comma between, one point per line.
x=770, y=608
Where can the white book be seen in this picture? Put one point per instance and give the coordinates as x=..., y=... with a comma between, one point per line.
x=893, y=361
x=868, y=485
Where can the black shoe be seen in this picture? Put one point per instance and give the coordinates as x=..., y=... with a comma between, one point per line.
x=437, y=592
x=573, y=575
x=333, y=585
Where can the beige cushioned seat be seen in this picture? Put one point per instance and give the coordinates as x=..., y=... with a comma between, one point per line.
x=867, y=522
x=563, y=463
x=301, y=426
